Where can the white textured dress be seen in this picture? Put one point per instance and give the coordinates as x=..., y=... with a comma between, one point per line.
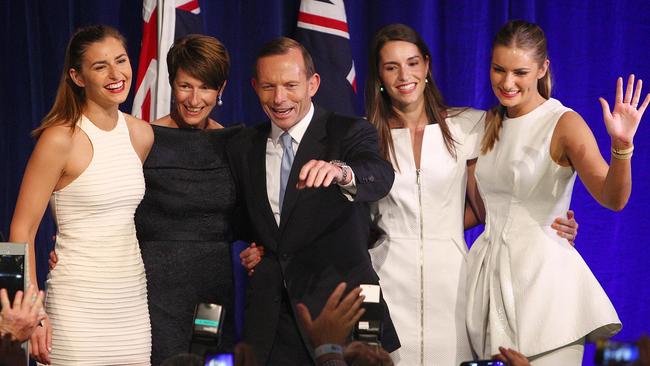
x=97, y=295
x=421, y=259
x=528, y=288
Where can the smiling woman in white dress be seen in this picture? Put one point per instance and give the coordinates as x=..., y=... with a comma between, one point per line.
x=421, y=258
x=528, y=289
x=88, y=164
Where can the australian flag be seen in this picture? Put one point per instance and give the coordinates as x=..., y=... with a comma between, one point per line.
x=323, y=30
x=164, y=21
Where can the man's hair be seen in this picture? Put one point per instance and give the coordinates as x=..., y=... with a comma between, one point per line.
x=282, y=46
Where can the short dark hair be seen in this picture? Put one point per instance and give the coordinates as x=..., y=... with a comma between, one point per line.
x=201, y=56
x=282, y=46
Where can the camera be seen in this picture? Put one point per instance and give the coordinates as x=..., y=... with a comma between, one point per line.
x=611, y=353
x=369, y=328
x=12, y=268
x=206, y=335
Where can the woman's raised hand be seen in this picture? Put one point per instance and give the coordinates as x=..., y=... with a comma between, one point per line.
x=624, y=120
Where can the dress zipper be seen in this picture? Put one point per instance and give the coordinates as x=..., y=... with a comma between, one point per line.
x=421, y=264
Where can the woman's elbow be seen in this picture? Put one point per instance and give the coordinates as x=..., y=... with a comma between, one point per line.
x=617, y=205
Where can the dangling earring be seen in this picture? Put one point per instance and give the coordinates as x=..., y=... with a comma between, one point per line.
x=219, y=101
x=381, y=88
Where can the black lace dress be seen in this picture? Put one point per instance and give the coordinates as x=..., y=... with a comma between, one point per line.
x=184, y=229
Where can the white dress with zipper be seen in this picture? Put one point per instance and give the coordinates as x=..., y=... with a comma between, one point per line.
x=421, y=258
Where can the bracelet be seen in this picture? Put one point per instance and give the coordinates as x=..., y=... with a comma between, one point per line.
x=326, y=348
x=333, y=362
x=624, y=154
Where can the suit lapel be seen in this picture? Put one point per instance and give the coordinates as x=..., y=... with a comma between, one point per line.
x=311, y=147
x=257, y=164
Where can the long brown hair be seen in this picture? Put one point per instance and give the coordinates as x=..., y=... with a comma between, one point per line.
x=378, y=105
x=524, y=35
x=70, y=98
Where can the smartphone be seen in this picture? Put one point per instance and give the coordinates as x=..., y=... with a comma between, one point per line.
x=12, y=268
x=221, y=359
x=483, y=363
x=613, y=353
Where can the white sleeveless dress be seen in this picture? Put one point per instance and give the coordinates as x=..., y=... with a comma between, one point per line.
x=421, y=260
x=97, y=295
x=529, y=289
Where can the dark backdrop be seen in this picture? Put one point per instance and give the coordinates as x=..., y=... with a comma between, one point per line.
x=590, y=44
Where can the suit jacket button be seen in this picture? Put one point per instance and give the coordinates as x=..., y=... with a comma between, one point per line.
x=284, y=256
x=371, y=178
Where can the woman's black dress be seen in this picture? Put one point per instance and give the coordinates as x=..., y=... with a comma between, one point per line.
x=184, y=229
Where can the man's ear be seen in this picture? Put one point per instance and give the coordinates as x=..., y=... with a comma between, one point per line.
x=313, y=84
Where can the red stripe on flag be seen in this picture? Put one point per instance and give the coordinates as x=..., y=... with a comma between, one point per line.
x=190, y=6
x=149, y=49
x=323, y=21
x=146, y=107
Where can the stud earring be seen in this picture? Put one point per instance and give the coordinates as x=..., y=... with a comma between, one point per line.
x=381, y=88
x=426, y=80
x=219, y=101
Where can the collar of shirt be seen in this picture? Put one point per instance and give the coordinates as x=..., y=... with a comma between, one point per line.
x=296, y=132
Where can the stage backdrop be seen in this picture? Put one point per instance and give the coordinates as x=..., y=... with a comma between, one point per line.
x=590, y=44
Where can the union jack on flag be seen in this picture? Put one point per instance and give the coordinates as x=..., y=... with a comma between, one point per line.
x=323, y=30
x=176, y=19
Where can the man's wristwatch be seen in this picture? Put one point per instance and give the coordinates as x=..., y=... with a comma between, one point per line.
x=345, y=169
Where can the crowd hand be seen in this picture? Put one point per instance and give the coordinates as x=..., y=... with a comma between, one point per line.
x=623, y=122
x=40, y=343
x=359, y=353
x=511, y=357
x=334, y=324
x=19, y=321
x=244, y=355
x=644, y=350
x=251, y=257
x=11, y=353
x=319, y=173
x=566, y=228
x=52, y=260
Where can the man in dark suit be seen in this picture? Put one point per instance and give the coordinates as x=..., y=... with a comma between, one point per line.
x=303, y=181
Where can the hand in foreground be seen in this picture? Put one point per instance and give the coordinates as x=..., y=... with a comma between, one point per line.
x=623, y=122
x=19, y=321
x=644, y=350
x=11, y=353
x=511, y=357
x=566, y=228
x=251, y=257
x=40, y=343
x=335, y=322
x=320, y=173
x=52, y=260
x=359, y=353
